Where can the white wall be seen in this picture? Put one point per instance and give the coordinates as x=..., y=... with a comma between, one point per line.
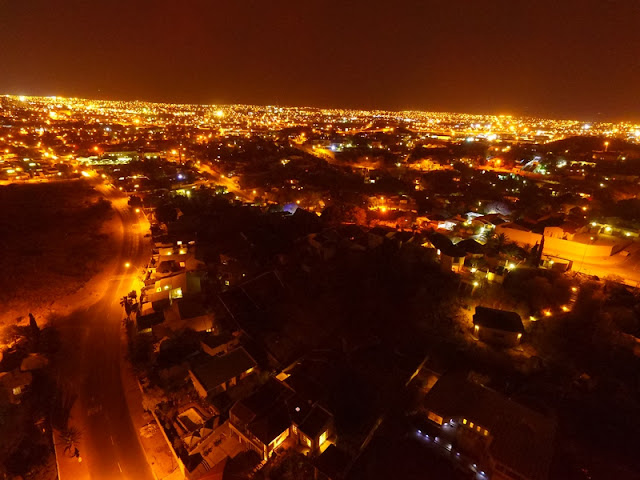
x=555, y=246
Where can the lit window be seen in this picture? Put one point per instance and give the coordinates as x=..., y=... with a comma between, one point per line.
x=307, y=441
x=323, y=437
x=17, y=390
x=486, y=432
x=464, y=421
x=478, y=428
x=470, y=424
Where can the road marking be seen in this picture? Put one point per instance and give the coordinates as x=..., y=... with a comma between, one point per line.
x=112, y=442
x=119, y=467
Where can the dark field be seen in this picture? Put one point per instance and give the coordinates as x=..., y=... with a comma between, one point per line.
x=52, y=239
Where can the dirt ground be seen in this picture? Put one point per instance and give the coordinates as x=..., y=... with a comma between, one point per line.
x=54, y=238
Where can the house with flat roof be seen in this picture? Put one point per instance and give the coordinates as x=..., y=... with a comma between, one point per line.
x=217, y=344
x=499, y=327
x=147, y=319
x=188, y=313
x=212, y=375
x=504, y=439
x=173, y=287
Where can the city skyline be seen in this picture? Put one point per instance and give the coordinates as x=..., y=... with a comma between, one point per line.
x=575, y=60
x=410, y=114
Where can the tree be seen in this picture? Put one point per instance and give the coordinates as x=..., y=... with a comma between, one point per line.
x=497, y=243
x=126, y=303
x=345, y=213
x=500, y=241
x=135, y=201
x=33, y=326
x=152, y=397
x=70, y=439
x=166, y=213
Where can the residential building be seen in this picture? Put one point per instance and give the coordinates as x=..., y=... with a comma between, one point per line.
x=505, y=440
x=275, y=413
x=187, y=313
x=212, y=375
x=218, y=344
x=499, y=327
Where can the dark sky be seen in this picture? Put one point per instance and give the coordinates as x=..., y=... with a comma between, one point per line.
x=565, y=58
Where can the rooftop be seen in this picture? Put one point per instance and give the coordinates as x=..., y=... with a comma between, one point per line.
x=214, y=371
x=522, y=438
x=315, y=422
x=498, y=319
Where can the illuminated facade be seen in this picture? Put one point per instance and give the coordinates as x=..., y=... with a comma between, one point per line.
x=501, y=439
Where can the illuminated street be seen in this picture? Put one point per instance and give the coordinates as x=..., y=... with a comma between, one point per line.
x=90, y=365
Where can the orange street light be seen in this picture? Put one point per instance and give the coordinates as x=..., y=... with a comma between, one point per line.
x=127, y=265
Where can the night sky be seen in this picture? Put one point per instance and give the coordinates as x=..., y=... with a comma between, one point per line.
x=563, y=58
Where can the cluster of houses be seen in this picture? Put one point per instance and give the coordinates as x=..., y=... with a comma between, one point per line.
x=20, y=362
x=15, y=169
x=238, y=405
x=242, y=400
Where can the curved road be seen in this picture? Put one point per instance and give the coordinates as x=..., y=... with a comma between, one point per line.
x=89, y=363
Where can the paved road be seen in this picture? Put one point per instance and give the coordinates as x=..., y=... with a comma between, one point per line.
x=90, y=361
x=220, y=179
